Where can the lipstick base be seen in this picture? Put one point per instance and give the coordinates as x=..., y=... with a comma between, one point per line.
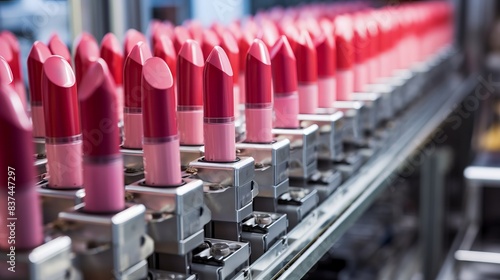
x=108, y=246
x=55, y=201
x=51, y=260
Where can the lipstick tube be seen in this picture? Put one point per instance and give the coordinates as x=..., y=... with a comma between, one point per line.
x=325, y=47
x=161, y=141
x=15, y=65
x=132, y=116
x=37, y=56
x=218, y=108
x=57, y=47
x=190, y=65
x=258, y=106
x=18, y=179
x=230, y=46
x=86, y=52
x=132, y=38
x=112, y=54
x=307, y=74
x=345, y=56
x=63, y=138
x=102, y=161
x=284, y=69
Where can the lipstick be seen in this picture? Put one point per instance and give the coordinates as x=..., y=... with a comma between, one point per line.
x=18, y=179
x=325, y=47
x=132, y=37
x=132, y=117
x=307, y=74
x=230, y=47
x=63, y=138
x=218, y=108
x=6, y=76
x=210, y=40
x=181, y=34
x=373, y=33
x=112, y=54
x=284, y=69
x=37, y=56
x=57, y=47
x=102, y=161
x=195, y=30
x=162, y=162
x=360, y=45
x=244, y=42
x=15, y=65
x=164, y=49
x=190, y=65
x=345, y=57
x=86, y=52
x=258, y=106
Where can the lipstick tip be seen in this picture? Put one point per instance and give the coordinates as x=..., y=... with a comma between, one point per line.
x=156, y=74
x=6, y=76
x=39, y=52
x=259, y=51
x=132, y=38
x=282, y=46
x=219, y=59
x=110, y=43
x=95, y=77
x=58, y=71
x=12, y=110
x=57, y=47
x=11, y=40
x=140, y=53
x=191, y=51
x=5, y=50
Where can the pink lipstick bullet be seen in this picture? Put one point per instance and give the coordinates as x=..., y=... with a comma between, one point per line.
x=230, y=47
x=6, y=76
x=218, y=108
x=15, y=65
x=190, y=65
x=181, y=35
x=86, y=52
x=18, y=179
x=162, y=162
x=57, y=47
x=112, y=54
x=345, y=57
x=102, y=161
x=132, y=117
x=284, y=69
x=307, y=73
x=258, y=107
x=63, y=138
x=38, y=54
x=164, y=49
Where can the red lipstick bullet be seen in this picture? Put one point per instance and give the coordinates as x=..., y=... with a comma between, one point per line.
x=210, y=40
x=6, y=76
x=258, y=107
x=284, y=68
x=190, y=65
x=162, y=162
x=18, y=178
x=218, y=105
x=38, y=54
x=345, y=57
x=307, y=74
x=86, y=52
x=132, y=116
x=57, y=47
x=325, y=47
x=15, y=65
x=181, y=35
x=230, y=47
x=102, y=161
x=132, y=37
x=112, y=54
x=63, y=138
x=165, y=50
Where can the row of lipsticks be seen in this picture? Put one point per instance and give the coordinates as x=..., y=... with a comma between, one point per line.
x=188, y=86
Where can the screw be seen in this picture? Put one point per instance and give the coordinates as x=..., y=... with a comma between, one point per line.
x=220, y=249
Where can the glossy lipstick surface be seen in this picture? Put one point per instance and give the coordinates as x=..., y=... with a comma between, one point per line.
x=102, y=162
x=37, y=56
x=132, y=37
x=15, y=65
x=190, y=65
x=112, y=54
x=6, y=76
x=218, y=108
x=86, y=52
x=345, y=57
x=258, y=107
x=18, y=178
x=284, y=69
x=307, y=74
x=162, y=162
x=63, y=138
x=325, y=47
x=132, y=116
x=230, y=47
x=57, y=47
